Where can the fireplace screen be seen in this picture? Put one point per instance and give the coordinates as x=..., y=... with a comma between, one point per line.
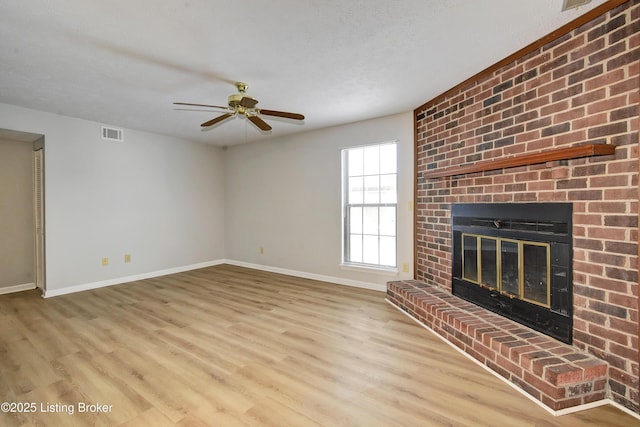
x=515, y=259
x=515, y=268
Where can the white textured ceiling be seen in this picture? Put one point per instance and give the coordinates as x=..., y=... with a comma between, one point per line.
x=124, y=62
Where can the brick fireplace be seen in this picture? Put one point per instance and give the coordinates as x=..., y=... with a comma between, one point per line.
x=555, y=122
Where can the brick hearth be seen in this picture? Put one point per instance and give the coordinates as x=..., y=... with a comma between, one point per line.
x=558, y=375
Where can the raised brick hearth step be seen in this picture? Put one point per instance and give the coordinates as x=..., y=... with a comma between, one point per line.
x=557, y=374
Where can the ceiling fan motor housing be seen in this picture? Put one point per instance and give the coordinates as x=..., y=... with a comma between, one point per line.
x=235, y=100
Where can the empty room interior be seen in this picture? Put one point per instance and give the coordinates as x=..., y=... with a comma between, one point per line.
x=356, y=213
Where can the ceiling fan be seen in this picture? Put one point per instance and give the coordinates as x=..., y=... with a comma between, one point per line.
x=240, y=103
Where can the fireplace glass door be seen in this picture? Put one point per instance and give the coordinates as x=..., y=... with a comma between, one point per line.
x=514, y=268
x=515, y=260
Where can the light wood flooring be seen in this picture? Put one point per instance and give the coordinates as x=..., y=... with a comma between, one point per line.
x=229, y=346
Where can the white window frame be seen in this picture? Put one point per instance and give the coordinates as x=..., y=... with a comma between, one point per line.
x=347, y=262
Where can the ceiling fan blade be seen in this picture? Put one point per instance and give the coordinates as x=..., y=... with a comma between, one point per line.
x=248, y=102
x=294, y=116
x=259, y=122
x=200, y=105
x=216, y=120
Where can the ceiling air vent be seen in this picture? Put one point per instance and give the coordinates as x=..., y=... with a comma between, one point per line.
x=572, y=4
x=112, y=134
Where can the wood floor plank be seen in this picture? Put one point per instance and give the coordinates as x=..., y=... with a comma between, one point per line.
x=149, y=418
x=152, y=381
x=271, y=412
x=231, y=346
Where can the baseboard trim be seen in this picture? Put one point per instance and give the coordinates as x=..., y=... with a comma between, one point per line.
x=295, y=273
x=312, y=276
x=126, y=279
x=606, y=401
x=624, y=409
x=17, y=288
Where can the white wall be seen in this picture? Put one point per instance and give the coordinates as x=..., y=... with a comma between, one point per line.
x=174, y=204
x=155, y=197
x=16, y=214
x=285, y=195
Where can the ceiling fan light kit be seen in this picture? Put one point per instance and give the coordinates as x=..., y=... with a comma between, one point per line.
x=573, y=4
x=240, y=103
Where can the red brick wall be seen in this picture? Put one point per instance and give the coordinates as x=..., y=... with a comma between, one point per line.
x=580, y=88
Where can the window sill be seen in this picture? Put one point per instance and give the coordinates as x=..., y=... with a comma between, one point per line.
x=386, y=271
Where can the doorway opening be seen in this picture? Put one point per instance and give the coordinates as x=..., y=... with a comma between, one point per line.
x=22, y=248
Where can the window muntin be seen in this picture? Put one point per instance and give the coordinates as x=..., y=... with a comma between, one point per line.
x=370, y=205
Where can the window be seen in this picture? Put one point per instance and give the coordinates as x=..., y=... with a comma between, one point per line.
x=370, y=205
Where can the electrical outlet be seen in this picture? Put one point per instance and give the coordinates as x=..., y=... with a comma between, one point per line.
x=105, y=261
x=261, y=250
x=405, y=267
x=127, y=258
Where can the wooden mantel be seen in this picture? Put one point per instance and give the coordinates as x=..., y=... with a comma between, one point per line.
x=567, y=153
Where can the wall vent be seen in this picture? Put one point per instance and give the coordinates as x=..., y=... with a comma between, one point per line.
x=112, y=134
x=573, y=4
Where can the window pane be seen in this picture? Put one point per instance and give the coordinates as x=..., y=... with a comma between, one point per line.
x=388, y=221
x=370, y=220
x=388, y=251
x=356, y=190
x=370, y=249
x=372, y=189
x=355, y=220
x=356, y=161
x=388, y=162
x=388, y=192
x=372, y=160
x=355, y=248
